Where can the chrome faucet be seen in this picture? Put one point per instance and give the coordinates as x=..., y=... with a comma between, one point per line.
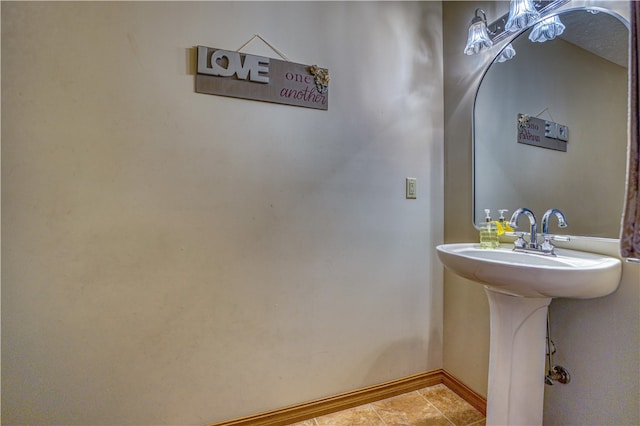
x=533, y=241
x=546, y=246
x=562, y=221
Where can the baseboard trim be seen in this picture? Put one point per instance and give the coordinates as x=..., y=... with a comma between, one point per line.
x=343, y=401
x=476, y=400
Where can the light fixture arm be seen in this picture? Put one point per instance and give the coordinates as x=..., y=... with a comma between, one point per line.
x=478, y=18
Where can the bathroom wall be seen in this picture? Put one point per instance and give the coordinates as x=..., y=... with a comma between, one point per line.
x=597, y=339
x=178, y=258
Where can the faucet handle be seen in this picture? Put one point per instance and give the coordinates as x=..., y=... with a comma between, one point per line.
x=520, y=243
x=547, y=247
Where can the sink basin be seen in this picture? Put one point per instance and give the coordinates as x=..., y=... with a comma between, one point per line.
x=570, y=274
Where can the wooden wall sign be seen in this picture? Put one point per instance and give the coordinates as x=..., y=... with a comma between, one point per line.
x=239, y=75
x=541, y=133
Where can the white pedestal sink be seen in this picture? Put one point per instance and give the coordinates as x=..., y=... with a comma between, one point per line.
x=520, y=287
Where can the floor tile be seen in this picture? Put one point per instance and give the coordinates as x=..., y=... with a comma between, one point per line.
x=436, y=405
x=363, y=416
x=409, y=409
x=455, y=408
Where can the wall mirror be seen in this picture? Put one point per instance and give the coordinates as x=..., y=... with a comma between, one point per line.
x=579, y=80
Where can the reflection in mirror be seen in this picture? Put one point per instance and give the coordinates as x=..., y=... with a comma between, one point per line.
x=579, y=80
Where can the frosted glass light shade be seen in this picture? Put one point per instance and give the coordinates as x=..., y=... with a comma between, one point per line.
x=508, y=53
x=522, y=13
x=547, y=29
x=478, y=37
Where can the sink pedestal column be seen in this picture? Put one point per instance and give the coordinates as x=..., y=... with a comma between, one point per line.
x=517, y=352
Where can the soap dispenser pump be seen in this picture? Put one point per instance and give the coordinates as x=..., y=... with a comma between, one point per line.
x=503, y=223
x=488, y=232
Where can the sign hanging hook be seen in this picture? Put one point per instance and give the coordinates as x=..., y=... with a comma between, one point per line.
x=282, y=55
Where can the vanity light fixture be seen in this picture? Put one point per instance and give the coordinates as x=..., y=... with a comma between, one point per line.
x=547, y=29
x=522, y=13
x=507, y=53
x=478, y=34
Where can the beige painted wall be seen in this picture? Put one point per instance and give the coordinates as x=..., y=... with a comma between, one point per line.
x=597, y=339
x=178, y=258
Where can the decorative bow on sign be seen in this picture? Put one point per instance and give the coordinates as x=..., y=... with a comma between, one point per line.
x=320, y=78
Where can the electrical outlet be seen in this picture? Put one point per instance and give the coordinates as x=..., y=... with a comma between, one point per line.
x=411, y=188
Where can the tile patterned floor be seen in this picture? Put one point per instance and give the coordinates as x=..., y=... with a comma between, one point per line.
x=435, y=405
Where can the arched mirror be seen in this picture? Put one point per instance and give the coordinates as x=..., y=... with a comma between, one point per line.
x=578, y=80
